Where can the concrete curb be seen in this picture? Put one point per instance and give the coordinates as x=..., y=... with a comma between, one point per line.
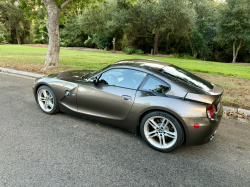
x=18, y=72
x=227, y=109
x=37, y=75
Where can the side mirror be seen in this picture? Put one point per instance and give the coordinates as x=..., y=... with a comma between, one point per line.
x=96, y=80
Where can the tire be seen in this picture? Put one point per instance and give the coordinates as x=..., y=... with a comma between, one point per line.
x=161, y=131
x=46, y=100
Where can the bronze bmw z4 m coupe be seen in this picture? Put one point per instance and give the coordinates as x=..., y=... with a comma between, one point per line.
x=166, y=104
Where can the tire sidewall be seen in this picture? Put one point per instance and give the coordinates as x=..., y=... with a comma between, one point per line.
x=55, y=108
x=179, y=129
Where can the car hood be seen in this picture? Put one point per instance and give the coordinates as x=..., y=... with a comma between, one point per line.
x=73, y=76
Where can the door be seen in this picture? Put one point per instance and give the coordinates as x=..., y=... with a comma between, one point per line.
x=113, y=97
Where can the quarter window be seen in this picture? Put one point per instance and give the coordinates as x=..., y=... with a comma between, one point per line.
x=154, y=85
x=125, y=78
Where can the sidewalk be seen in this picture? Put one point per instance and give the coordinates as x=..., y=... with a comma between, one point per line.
x=18, y=72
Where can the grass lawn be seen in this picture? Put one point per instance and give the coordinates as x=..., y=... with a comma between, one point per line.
x=232, y=77
x=33, y=59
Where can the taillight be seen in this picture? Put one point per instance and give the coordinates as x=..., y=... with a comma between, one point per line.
x=211, y=111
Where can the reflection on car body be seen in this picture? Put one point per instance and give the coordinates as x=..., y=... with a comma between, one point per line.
x=167, y=104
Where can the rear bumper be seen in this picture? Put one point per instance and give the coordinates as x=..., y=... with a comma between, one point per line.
x=206, y=130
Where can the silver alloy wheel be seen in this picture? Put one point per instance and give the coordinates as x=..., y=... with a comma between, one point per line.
x=45, y=100
x=160, y=132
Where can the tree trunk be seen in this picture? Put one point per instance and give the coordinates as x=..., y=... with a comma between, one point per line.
x=18, y=37
x=179, y=45
x=52, y=24
x=156, y=43
x=194, y=52
x=167, y=43
x=236, y=51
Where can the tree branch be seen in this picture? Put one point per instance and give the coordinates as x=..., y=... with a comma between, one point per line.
x=65, y=3
x=239, y=47
x=165, y=35
x=161, y=40
x=240, y=44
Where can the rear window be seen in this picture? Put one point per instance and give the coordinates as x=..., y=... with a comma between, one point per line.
x=187, y=77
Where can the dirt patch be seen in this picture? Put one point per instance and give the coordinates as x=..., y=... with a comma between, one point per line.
x=74, y=48
x=236, y=91
x=36, y=45
x=90, y=50
x=36, y=68
x=244, y=64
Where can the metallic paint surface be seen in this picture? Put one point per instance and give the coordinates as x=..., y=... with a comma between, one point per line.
x=105, y=104
x=104, y=101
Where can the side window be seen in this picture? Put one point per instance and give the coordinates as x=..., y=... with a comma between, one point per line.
x=154, y=85
x=126, y=78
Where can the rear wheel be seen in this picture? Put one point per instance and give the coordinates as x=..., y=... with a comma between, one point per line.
x=161, y=131
x=47, y=100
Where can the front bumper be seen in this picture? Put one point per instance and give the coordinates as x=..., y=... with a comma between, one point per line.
x=205, y=132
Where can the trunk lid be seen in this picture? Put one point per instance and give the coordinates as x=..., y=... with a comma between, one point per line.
x=212, y=97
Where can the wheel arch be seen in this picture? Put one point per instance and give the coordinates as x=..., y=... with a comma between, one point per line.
x=176, y=116
x=39, y=85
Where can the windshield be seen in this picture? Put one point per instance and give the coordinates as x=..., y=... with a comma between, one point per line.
x=187, y=77
x=92, y=74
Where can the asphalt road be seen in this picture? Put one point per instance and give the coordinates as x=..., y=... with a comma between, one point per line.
x=62, y=150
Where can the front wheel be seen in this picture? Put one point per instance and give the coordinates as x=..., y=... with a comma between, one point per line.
x=47, y=100
x=161, y=131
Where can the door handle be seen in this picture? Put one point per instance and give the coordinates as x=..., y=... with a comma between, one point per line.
x=126, y=98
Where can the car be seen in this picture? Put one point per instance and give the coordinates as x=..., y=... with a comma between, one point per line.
x=164, y=103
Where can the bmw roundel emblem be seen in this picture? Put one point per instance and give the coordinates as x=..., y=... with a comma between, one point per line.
x=67, y=93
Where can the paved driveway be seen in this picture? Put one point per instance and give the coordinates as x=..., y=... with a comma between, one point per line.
x=62, y=150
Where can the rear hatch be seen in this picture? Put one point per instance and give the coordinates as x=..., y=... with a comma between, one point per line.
x=212, y=97
x=198, y=89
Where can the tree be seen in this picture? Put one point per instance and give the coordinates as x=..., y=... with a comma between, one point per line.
x=14, y=20
x=2, y=28
x=40, y=31
x=72, y=33
x=158, y=19
x=54, y=9
x=201, y=38
x=101, y=25
x=234, y=25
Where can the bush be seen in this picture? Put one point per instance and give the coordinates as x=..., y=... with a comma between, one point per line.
x=128, y=50
x=99, y=42
x=63, y=43
x=89, y=42
x=72, y=32
x=37, y=41
x=139, y=51
x=2, y=38
x=162, y=52
x=184, y=56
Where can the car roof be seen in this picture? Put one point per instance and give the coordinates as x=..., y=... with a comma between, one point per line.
x=142, y=63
